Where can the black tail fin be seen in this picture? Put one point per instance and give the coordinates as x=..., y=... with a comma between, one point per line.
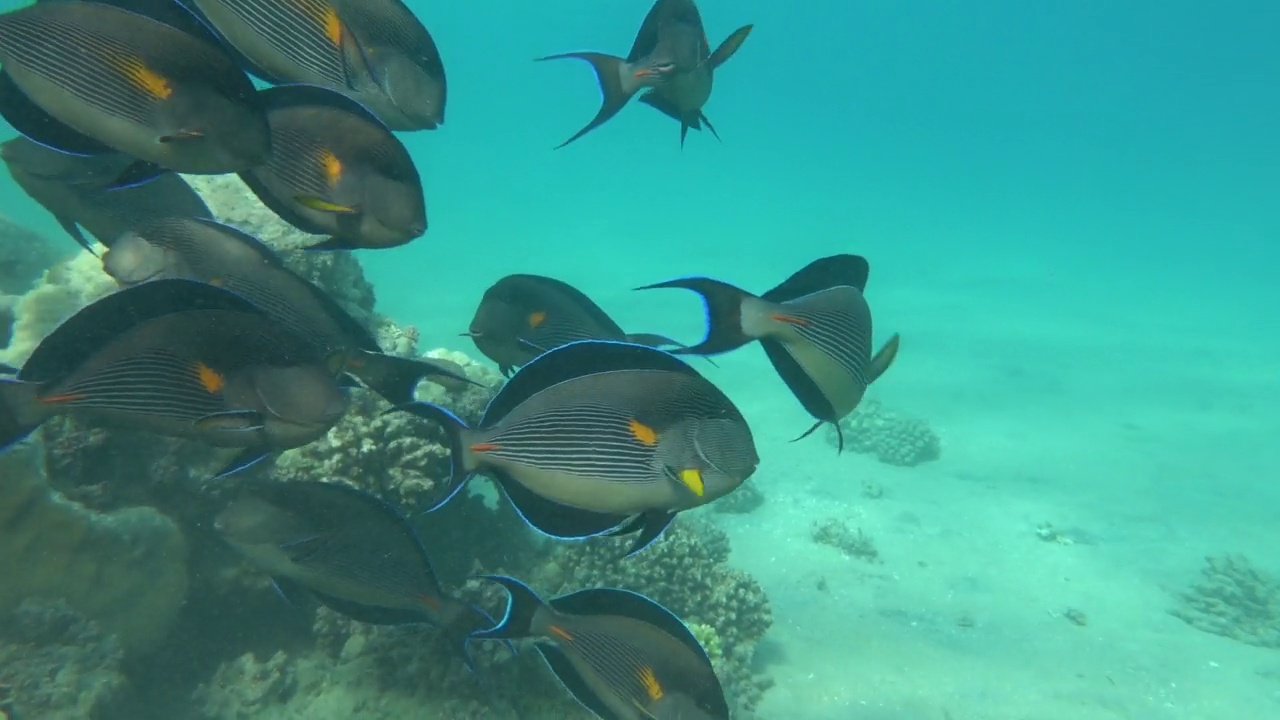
x=522, y=605
x=462, y=628
x=396, y=378
x=614, y=93
x=19, y=411
x=724, y=314
x=453, y=427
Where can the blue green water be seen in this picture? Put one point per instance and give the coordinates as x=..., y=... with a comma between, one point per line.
x=1070, y=213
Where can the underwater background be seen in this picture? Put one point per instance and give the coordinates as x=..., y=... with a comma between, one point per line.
x=1070, y=214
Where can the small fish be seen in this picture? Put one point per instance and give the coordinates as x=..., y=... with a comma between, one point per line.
x=620, y=654
x=178, y=358
x=670, y=57
x=137, y=83
x=350, y=550
x=815, y=327
x=211, y=252
x=337, y=170
x=403, y=79
x=82, y=192
x=599, y=436
x=522, y=316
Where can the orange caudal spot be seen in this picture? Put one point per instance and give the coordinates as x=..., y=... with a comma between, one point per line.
x=211, y=380
x=144, y=78
x=645, y=434
x=485, y=447
x=332, y=167
x=537, y=318
x=789, y=319
x=650, y=683
x=430, y=601
x=63, y=398
x=560, y=633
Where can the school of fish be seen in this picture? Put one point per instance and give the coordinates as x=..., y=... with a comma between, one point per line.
x=210, y=337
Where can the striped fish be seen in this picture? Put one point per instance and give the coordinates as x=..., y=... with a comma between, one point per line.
x=352, y=551
x=598, y=436
x=136, y=84
x=406, y=87
x=815, y=327
x=209, y=251
x=182, y=359
x=336, y=170
x=620, y=654
x=522, y=316
x=81, y=192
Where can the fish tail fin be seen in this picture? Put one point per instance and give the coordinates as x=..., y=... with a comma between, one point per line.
x=468, y=620
x=396, y=378
x=883, y=358
x=453, y=427
x=617, y=85
x=723, y=303
x=20, y=411
x=523, y=605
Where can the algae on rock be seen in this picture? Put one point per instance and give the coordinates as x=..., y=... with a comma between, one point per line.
x=1234, y=600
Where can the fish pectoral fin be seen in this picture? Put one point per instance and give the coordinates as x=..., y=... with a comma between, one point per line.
x=531, y=345
x=289, y=591
x=74, y=231
x=231, y=420
x=182, y=135
x=883, y=358
x=319, y=204
x=729, y=46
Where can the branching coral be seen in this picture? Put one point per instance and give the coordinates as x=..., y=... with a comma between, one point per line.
x=1234, y=600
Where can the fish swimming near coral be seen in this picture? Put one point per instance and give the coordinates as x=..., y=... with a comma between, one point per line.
x=80, y=191
x=522, y=316
x=815, y=327
x=620, y=654
x=137, y=81
x=178, y=358
x=337, y=170
x=350, y=550
x=375, y=51
x=671, y=58
x=210, y=251
x=598, y=436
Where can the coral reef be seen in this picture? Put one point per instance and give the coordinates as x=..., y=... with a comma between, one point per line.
x=853, y=542
x=24, y=255
x=64, y=288
x=893, y=439
x=124, y=569
x=1234, y=600
x=55, y=665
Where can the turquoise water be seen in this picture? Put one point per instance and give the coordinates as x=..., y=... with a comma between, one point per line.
x=1070, y=214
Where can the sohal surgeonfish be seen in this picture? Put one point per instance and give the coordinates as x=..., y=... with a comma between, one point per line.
x=376, y=51
x=148, y=81
x=599, y=436
x=522, y=316
x=178, y=358
x=815, y=327
x=351, y=551
x=622, y=655
x=336, y=170
x=80, y=192
x=209, y=251
x=671, y=57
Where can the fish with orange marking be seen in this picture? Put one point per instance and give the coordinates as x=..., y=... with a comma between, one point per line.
x=203, y=249
x=522, y=316
x=620, y=654
x=600, y=437
x=815, y=327
x=142, y=78
x=178, y=358
x=337, y=170
x=349, y=550
x=669, y=59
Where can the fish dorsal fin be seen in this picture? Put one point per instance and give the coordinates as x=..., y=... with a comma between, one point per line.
x=298, y=95
x=173, y=13
x=568, y=674
x=662, y=14
x=624, y=603
x=99, y=323
x=576, y=298
x=575, y=360
x=822, y=274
